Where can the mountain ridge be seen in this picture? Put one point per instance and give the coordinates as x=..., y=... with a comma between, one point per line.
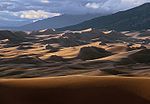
x=133, y=19
x=55, y=22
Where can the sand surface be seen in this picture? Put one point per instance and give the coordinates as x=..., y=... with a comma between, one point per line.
x=30, y=75
x=76, y=90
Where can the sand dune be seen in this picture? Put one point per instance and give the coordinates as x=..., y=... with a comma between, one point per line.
x=75, y=90
x=103, y=54
x=117, y=49
x=121, y=55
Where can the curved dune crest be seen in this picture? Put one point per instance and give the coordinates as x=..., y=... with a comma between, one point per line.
x=75, y=90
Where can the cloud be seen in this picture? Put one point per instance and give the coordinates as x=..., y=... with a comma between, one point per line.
x=38, y=9
x=69, y=6
x=45, y=1
x=33, y=14
x=93, y=5
x=114, y=6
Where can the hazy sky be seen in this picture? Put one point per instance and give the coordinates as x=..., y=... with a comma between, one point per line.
x=27, y=10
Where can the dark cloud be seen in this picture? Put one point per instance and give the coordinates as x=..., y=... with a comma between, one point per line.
x=69, y=6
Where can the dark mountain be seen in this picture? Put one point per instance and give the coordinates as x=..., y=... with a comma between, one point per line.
x=137, y=18
x=58, y=22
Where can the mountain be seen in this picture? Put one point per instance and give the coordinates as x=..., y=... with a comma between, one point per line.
x=134, y=19
x=12, y=25
x=9, y=23
x=57, y=22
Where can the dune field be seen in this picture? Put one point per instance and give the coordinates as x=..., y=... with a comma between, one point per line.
x=75, y=68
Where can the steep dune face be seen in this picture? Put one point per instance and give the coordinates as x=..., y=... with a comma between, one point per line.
x=12, y=37
x=142, y=56
x=89, y=53
x=145, y=33
x=76, y=90
x=22, y=59
x=114, y=37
